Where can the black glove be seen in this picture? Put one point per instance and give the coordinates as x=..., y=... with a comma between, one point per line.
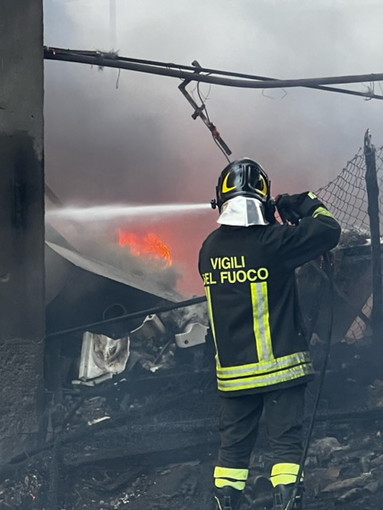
x=292, y=208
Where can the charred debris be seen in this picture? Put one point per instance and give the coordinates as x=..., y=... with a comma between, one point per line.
x=132, y=409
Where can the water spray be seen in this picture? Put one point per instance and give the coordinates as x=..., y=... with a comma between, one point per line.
x=109, y=212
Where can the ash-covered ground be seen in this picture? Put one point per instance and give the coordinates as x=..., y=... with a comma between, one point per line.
x=149, y=440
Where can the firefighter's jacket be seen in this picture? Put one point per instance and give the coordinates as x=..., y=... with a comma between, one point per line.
x=249, y=280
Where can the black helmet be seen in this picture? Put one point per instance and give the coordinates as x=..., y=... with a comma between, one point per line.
x=243, y=178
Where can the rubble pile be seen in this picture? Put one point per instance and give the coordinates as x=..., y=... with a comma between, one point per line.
x=351, y=237
x=345, y=470
x=150, y=443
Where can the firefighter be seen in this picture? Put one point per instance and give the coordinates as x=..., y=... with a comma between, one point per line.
x=262, y=359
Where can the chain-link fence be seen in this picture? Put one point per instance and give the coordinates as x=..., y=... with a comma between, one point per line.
x=346, y=197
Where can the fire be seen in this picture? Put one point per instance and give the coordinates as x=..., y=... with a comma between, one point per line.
x=149, y=245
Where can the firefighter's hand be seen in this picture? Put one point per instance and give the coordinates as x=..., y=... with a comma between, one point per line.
x=285, y=205
x=292, y=208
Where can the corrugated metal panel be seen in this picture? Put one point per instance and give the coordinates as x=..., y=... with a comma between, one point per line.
x=136, y=280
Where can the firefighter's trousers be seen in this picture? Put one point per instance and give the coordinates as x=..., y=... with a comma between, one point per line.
x=239, y=423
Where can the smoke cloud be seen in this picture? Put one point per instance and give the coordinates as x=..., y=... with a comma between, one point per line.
x=127, y=137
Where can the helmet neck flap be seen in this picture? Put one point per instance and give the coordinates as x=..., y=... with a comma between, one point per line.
x=243, y=212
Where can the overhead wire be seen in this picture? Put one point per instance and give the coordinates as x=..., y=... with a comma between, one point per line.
x=224, y=78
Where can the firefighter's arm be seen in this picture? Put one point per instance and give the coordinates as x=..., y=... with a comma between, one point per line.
x=314, y=230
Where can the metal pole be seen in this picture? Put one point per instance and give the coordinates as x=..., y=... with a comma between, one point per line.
x=130, y=316
x=373, y=213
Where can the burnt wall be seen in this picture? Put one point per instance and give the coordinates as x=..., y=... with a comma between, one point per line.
x=21, y=224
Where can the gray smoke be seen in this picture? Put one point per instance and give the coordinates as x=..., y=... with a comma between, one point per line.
x=127, y=137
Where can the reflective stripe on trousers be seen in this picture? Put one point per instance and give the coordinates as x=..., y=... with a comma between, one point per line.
x=284, y=473
x=232, y=477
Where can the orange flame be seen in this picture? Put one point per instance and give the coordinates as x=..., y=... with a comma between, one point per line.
x=150, y=245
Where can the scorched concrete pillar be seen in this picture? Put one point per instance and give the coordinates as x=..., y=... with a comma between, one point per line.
x=21, y=224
